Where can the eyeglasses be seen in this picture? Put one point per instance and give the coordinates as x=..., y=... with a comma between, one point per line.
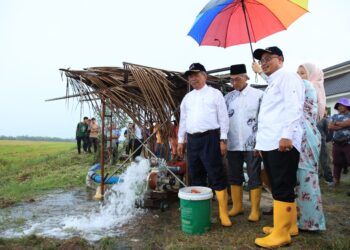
x=237, y=78
x=267, y=59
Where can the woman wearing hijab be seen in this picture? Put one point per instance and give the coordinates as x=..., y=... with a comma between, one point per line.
x=309, y=202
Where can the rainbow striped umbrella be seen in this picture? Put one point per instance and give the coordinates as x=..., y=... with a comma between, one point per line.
x=225, y=23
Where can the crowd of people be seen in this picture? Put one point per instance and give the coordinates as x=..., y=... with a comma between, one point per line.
x=282, y=131
x=87, y=132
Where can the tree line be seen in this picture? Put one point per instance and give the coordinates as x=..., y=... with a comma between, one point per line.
x=35, y=138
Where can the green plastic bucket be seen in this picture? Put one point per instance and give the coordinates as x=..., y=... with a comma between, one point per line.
x=195, y=206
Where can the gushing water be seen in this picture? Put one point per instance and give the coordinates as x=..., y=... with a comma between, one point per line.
x=92, y=222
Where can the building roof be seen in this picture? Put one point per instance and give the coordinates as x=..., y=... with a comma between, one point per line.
x=337, y=84
x=340, y=65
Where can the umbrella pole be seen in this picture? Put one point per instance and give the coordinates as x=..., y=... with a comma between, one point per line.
x=246, y=23
x=250, y=40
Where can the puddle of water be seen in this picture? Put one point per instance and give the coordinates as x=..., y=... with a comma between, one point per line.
x=64, y=214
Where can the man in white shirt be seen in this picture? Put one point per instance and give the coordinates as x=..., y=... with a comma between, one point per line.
x=243, y=107
x=204, y=119
x=279, y=140
x=135, y=140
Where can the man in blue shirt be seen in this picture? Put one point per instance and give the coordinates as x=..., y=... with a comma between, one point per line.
x=115, y=142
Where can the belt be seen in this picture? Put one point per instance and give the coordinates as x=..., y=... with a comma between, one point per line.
x=208, y=132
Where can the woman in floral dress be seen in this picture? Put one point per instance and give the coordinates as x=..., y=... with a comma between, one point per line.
x=309, y=202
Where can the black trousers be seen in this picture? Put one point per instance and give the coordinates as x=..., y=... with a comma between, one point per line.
x=325, y=162
x=115, y=153
x=88, y=144
x=235, y=168
x=204, y=161
x=281, y=168
x=93, y=142
x=85, y=143
x=133, y=145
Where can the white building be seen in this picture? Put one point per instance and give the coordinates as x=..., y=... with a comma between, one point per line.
x=337, y=84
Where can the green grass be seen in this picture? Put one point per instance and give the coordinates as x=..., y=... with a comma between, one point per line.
x=29, y=169
x=33, y=242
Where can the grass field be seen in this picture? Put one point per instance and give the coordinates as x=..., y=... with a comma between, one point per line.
x=29, y=169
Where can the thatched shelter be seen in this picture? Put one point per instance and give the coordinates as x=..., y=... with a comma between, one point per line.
x=143, y=93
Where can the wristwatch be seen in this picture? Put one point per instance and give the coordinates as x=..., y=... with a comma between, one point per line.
x=223, y=140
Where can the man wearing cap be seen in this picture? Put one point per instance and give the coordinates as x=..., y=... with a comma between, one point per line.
x=243, y=107
x=341, y=137
x=278, y=140
x=204, y=119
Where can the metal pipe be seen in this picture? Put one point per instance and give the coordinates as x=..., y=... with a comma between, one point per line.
x=143, y=144
x=130, y=155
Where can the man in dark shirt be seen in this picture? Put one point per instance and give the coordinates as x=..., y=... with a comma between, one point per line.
x=81, y=134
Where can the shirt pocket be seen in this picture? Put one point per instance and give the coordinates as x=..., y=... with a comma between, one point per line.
x=271, y=95
x=208, y=104
x=251, y=110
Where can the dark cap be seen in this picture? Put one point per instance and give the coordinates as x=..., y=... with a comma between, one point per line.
x=271, y=50
x=195, y=68
x=238, y=69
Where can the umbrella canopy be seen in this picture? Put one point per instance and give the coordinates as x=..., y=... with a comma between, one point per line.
x=302, y=3
x=224, y=23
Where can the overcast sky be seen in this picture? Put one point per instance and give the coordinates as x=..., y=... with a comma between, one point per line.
x=38, y=37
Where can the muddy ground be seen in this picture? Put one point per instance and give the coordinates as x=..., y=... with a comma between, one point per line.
x=162, y=229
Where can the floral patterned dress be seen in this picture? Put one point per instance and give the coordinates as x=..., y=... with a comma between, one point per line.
x=309, y=202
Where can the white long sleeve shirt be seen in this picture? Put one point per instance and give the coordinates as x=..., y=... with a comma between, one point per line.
x=138, y=132
x=243, y=107
x=203, y=110
x=281, y=111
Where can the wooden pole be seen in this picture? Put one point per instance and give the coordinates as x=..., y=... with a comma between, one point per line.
x=110, y=135
x=102, y=154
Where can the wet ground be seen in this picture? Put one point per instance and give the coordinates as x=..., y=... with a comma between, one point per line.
x=157, y=229
x=42, y=215
x=45, y=217
x=66, y=214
